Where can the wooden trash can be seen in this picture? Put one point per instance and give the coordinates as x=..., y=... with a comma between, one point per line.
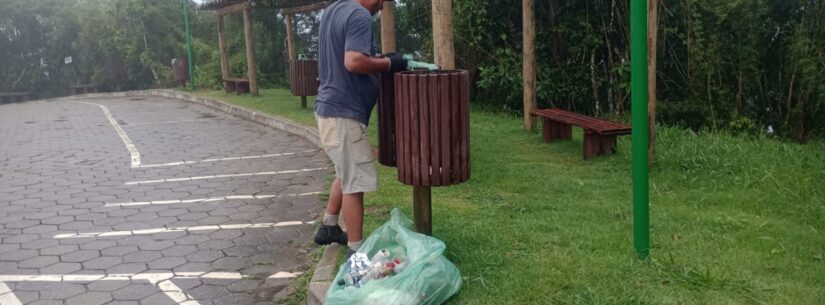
x=386, y=120
x=432, y=127
x=180, y=69
x=303, y=78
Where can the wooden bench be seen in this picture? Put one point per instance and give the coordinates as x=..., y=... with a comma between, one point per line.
x=82, y=89
x=599, y=135
x=14, y=97
x=237, y=85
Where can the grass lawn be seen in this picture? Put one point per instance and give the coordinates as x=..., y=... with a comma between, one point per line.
x=734, y=220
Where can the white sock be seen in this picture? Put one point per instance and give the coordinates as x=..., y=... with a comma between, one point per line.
x=330, y=220
x=354, y=246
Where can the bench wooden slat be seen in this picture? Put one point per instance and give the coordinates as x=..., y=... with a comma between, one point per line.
x=597, y=125
x=12, y=97
x=237, y=85
x=599, y=135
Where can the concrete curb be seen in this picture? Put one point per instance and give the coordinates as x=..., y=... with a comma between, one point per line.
x=326, y=267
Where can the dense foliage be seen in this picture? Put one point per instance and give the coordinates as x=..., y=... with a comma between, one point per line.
x=127, y=44
x=743, y=65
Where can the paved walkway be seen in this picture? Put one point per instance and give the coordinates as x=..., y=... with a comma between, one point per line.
x=150, y=201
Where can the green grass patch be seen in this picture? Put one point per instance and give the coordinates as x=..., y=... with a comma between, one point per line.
x=300, y=287
x=274, y=101
x=734, y=220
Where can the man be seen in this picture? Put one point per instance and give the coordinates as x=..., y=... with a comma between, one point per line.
x=347, y=68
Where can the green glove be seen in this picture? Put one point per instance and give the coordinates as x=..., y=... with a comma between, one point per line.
x=414, y=65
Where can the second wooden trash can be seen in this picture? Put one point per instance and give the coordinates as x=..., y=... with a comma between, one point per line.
x=303, y=78
x=432, y=127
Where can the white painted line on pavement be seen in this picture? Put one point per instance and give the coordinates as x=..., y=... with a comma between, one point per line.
x=225, y=176
x=202, y=200
x=160, y=279
x=7, y=296
x=166, y=122
x=175, y=293
x=224, y=159
x=129, y=146
x=181, y=229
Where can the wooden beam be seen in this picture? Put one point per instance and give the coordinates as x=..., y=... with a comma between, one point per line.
x=290, y=37
x=652, y=46
x=305, y=8
x=222, y=48
x=443, y=33
x=250, y=51
x=388, y=27
x=529, y=62
x=232, y=8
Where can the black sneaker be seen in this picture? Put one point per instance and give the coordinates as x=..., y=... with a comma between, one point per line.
x=330, y=234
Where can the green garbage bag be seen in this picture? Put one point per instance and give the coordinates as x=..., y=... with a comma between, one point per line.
x=428, y=278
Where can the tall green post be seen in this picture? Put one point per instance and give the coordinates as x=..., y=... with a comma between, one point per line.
x=638, y=62
x=189, y=44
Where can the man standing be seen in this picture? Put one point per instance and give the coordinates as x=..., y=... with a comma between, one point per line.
x=347, y=68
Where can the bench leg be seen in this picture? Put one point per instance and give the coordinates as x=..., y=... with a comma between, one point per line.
x=598, y=145
x=608, y=144
x=552, y=130
x=546, y=130
x=565, y=131
x=242, y=87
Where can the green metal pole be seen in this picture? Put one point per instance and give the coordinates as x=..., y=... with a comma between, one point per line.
x=189, y=44
x=638, y=62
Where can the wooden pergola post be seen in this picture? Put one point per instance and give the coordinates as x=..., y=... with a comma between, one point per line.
x=443, y=33
x=529, y=62
x=290, y=46
x=250, y=50
x=388, y=27
x=290, y=36
x=222, y=48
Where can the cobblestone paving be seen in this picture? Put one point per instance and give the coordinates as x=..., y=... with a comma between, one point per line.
x=193, y=223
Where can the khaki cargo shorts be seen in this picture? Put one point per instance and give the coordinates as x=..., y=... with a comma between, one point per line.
x=346, y=143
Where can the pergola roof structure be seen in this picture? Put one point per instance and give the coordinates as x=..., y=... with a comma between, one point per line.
x=224, y=7
x=276, y=4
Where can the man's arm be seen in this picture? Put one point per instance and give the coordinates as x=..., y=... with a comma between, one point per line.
x=357, y=62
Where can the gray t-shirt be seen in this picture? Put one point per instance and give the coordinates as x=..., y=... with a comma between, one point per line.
x=345, y=26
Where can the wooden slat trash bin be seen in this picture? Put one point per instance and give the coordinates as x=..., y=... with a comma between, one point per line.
x=303, y=78
x=432, y=127
x=386, y=120
x=180, y=69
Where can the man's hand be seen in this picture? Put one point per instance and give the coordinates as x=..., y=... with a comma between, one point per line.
x=397, y=62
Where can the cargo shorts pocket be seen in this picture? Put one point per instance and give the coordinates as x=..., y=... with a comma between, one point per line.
x=360, y=143
x=328, y=131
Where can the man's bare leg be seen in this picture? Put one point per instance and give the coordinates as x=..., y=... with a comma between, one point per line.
x=353, y=210
x=330, y=232
x=335, y=197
